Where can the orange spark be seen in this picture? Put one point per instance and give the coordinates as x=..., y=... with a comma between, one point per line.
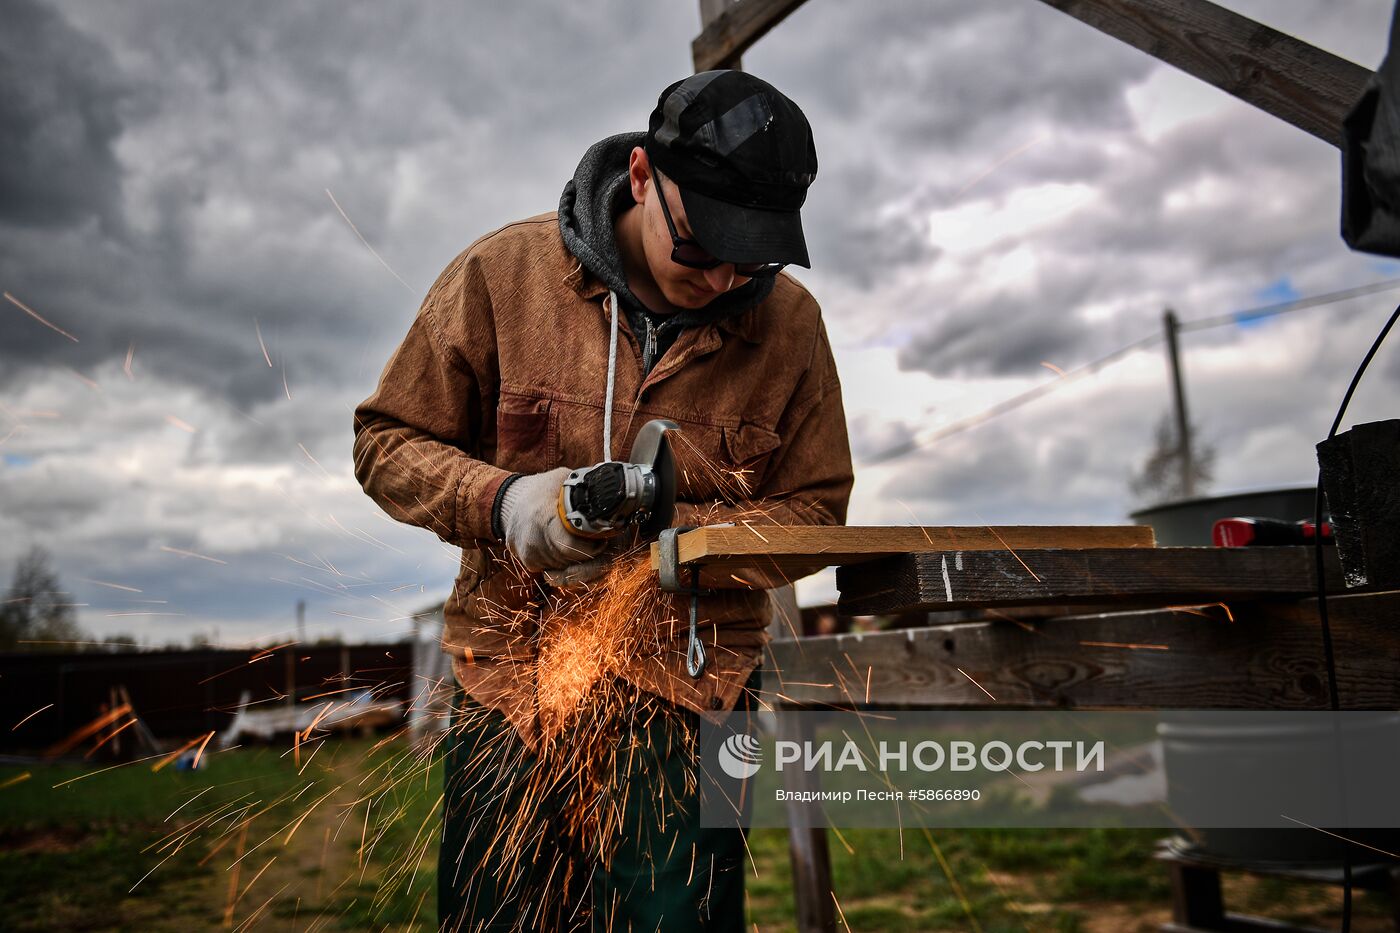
x=30, y=716
x=366, y=242
x=115, y=586
x=1195, y=610
x=90, y=383
x=968, y=185
x=1053, y=368
x=975, y=683
x=313, y=459
x=35, y=315
x=201, y=741
x=840, y=912
x=112, y=735
x=1343, y=838
x=756, y=531
x=262, y=346
x=201, y=750
x=182, y=425
x=233, y=878
x=23, y=776
x=1013, y=553
x=175, y=550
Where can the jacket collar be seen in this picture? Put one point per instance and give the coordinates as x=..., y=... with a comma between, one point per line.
x=744, y=326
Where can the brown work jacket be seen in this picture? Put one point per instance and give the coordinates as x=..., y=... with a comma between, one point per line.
x=504, y=371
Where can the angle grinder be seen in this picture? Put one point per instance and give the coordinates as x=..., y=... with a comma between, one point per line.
x=608, y=498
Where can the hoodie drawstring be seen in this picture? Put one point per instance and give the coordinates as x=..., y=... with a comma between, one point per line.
x=612, y=379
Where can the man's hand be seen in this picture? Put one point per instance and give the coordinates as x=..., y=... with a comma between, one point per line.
x=534, y=531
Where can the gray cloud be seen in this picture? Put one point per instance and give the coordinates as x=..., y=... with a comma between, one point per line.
x=60, y=118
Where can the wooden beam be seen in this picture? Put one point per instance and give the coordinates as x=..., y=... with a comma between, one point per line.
x=1294, y=81
x=940, y=580
x=1267, y=656
x=710, y=10
x=729, y=34
x=797, y=550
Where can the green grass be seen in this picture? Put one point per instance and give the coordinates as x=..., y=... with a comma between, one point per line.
x=72, y=851
x=70, y=855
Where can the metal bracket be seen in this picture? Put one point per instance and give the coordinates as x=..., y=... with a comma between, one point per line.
x=670, y=565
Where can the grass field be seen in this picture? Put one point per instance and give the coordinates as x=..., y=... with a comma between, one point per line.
x=347, y=841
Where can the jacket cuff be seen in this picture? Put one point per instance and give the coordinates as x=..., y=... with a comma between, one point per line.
x=476, y=493
x=498, y=530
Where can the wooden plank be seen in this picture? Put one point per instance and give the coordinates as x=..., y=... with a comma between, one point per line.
x=1281, y=75
x=940, y=580
x=797, y=550
x=1265, y=656
x=729, y=34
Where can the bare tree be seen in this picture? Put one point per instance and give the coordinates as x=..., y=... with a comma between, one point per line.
x=1159, y=480
x=36, y=608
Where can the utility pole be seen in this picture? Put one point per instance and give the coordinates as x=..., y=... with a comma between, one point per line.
x=291, y=655
x=1185, y=460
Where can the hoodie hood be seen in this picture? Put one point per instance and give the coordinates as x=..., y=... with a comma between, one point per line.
x=592, y=199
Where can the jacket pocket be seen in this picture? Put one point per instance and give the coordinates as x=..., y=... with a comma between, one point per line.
x=749, y=449
x=526, y=439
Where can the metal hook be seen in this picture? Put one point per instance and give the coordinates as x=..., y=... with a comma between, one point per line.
x=695, y=651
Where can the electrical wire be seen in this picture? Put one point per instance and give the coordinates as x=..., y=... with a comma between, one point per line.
x=1298, y=304
x=1329, y=657
x=1016, y=401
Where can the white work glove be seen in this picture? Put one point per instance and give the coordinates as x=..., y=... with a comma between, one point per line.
x=534, y=531
x=584, y=572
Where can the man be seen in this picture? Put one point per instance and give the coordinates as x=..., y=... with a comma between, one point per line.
x=664, y=256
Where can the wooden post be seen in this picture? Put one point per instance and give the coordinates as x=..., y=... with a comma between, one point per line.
x=807, y=844
x=1197, y=903
x=113, y=700
x=289, y=668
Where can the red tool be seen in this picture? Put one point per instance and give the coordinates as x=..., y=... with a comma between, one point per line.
x=1266, y=532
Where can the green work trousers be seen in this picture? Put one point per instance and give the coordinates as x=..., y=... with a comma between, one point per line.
x=666, y=872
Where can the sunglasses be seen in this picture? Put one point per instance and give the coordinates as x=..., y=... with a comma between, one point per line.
x=692, y=255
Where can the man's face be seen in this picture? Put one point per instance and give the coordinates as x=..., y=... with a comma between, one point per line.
x=680, y=285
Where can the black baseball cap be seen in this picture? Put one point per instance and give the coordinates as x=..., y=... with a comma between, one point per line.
x=742, y=156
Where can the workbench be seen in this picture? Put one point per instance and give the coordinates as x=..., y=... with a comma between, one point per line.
x=1131, y=628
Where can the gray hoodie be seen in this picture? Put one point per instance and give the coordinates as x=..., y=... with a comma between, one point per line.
x=592, y=199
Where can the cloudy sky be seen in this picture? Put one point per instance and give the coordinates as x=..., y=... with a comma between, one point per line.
x=1001, y=188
